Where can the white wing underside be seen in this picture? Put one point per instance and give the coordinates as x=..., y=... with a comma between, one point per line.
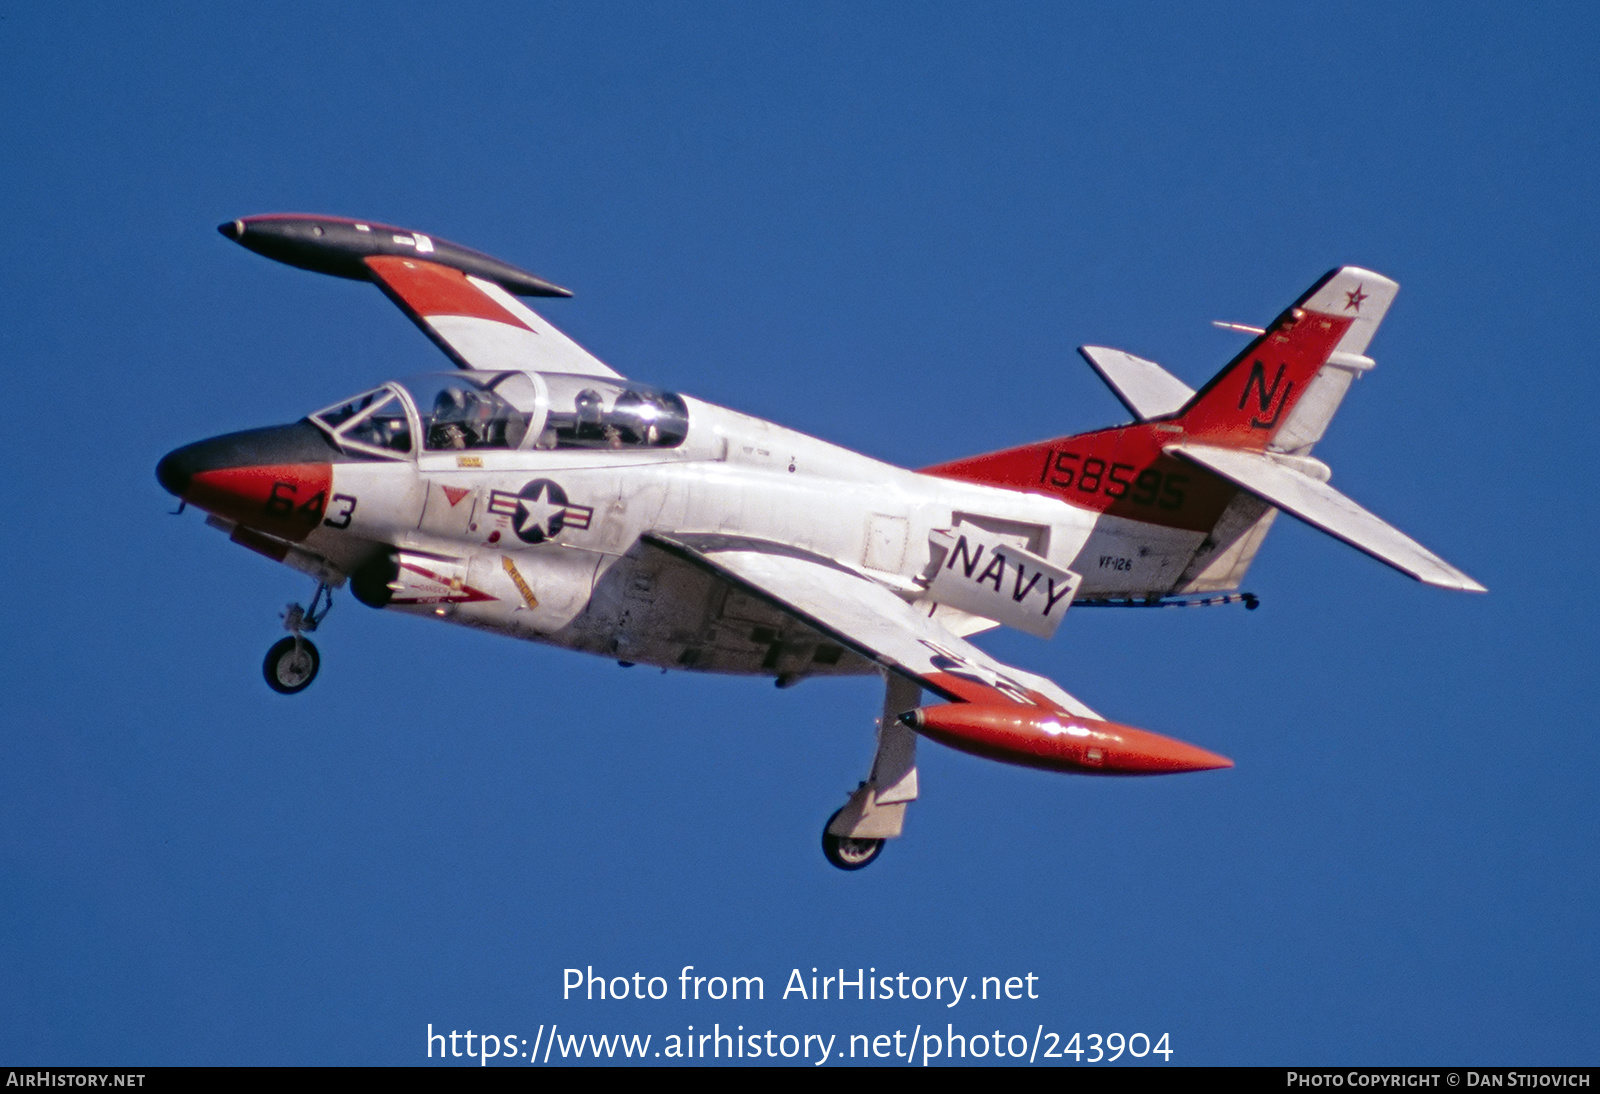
x=861, y=614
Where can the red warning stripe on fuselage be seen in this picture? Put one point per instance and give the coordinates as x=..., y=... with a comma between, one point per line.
x=459, y=592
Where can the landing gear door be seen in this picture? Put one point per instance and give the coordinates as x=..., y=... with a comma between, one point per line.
x=979, y=572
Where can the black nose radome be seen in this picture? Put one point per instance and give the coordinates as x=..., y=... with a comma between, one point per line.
x=174, y=471
x=233, y=229
x=301, y=442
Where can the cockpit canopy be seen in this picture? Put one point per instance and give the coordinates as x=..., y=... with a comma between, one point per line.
x=451, y=411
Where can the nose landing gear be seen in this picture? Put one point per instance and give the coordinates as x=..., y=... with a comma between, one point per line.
x=292, y=662
x=291, y=665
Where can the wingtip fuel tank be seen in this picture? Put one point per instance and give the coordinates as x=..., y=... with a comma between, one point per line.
x=1055, y=741
x=337, y=246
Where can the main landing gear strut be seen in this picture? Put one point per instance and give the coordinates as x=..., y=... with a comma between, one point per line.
x=854, y=836
x=292, y=662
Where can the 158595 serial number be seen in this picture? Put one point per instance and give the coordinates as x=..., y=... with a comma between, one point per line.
x=1091, y=475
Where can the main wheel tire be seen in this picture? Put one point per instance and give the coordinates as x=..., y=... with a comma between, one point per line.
x=291, y=665
x=847, y=852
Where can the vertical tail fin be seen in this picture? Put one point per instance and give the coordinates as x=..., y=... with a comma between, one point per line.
x=1224, y=462
x=1281, y=392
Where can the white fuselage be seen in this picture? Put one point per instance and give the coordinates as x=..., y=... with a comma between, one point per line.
x=592, y=585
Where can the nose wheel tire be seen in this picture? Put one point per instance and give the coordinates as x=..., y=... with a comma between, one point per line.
x=847, y=852
x=291, y=665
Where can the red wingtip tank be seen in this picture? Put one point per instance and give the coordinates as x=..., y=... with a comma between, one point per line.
x=1056, y=741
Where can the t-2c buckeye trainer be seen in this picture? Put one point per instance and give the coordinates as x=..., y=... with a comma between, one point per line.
x=537, y=493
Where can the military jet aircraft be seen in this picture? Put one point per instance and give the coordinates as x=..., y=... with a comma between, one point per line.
x=535, y=492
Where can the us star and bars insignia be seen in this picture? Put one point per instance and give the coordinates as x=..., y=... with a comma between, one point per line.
x=540, y=511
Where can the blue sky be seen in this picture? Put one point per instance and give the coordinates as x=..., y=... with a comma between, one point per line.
x=887, y=225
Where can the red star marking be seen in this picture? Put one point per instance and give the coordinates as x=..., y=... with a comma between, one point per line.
x=1352, y=300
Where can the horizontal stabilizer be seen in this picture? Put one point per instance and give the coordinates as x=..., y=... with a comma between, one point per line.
x=1324, y=508
x=1145, y=388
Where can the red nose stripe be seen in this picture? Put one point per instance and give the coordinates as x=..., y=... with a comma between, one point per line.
x=1034, y=737
x=284, y=500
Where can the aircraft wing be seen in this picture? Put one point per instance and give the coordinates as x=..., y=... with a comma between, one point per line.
x=461, y=298
x=1327, y=510
x=868, y=618
x=476, y=322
